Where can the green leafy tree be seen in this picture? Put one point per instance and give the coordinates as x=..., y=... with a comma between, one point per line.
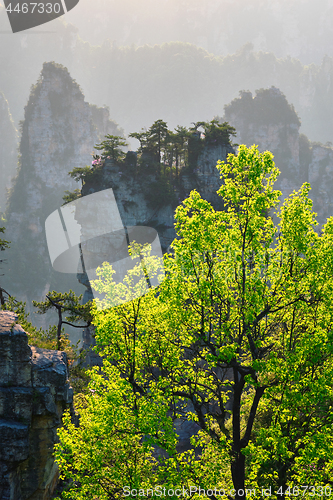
x=238, y=339
x=83, y=174
x=124, y=458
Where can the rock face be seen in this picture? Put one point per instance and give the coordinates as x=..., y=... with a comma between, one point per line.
x=267, y=120
x=320, y=177
x=34, y=392
x=270, y=122
x=8, y=150
x=59, y=132
x=132, y=194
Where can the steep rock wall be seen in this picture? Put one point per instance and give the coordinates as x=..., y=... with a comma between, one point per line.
x=320, y=176
x=34, y=392
x=132, y=194
x=8, y=150
x=59, y=132
x=270, y=122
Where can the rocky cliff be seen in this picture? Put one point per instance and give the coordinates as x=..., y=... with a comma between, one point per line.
x=34, y=392
x=320, y=176
x=59, y=132
x=268, y=120
x=133, y=194
x=8, y=150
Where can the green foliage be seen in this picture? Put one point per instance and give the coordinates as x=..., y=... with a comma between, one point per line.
x=238, y=339
x=71, y=195
x=63, y=303
x=46, y=339
x=111, y=148
x=122, y=459
x=269, y=106
x=69, y=302
x=3, y=243
x=217, y=133
x=83, y=174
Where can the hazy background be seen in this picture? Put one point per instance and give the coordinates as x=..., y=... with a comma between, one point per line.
x=178, y=60
x=299, y=28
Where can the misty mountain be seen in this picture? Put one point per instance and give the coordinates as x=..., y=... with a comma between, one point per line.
x=177, y=80
x=300, y=29
x=58, y=133
x=8, y=150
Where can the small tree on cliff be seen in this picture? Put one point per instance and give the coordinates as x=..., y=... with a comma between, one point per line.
x=66, y=303
x=238, y=339
x=112, y=147
x=157, y=135
x=217, y=133
x=179, y=145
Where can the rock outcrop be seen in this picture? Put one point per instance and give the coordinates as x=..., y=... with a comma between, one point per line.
x=132, y=194
x=34, y=392
x=8, y=150
x=59, y=132
x=269, y=121
x=320, y=176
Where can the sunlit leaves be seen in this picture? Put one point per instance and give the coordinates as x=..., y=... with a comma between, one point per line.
x=236, y=341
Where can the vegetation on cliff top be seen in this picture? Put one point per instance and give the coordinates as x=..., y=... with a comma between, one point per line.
x=162, y=155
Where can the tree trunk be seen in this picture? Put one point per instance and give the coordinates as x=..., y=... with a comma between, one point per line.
x=238, y=475
x=238, y=459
